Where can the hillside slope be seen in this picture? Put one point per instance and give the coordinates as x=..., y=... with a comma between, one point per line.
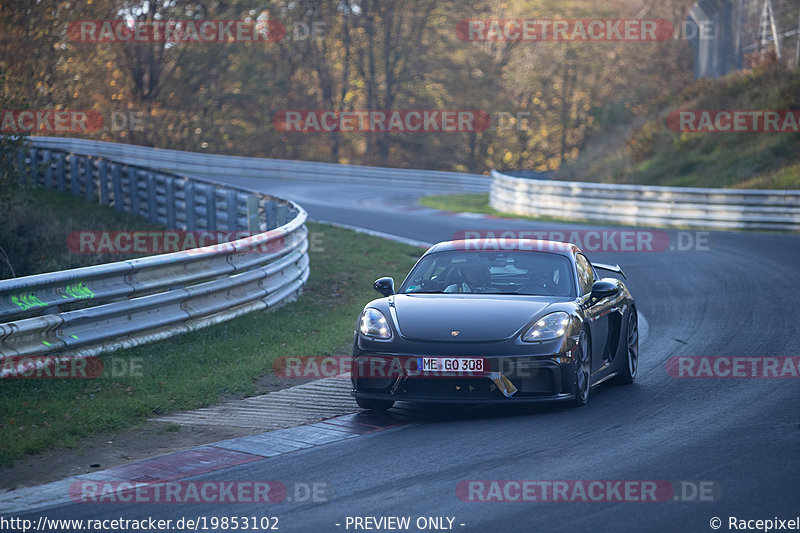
x=649, y=152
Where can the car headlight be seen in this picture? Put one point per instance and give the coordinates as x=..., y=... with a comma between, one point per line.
x=374, y=324
x=548, y=327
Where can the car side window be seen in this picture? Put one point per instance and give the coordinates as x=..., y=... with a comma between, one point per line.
x=585, y=273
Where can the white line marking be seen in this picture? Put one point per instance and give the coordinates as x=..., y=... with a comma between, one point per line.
x=389, y=236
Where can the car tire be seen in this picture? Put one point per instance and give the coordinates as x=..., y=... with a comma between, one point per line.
x=582, y=381
x=630, y=367
x=374, y=405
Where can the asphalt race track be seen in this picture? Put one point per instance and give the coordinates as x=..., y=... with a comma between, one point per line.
x=737, y=296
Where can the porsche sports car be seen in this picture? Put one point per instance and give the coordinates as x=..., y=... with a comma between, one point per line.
x=528, y=322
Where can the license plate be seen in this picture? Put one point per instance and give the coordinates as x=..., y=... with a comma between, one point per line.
x=451, y=364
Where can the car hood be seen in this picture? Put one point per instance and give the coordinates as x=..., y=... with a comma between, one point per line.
x=477, y=317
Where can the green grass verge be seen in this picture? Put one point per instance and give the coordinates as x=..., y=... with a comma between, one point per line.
x=221, y=362
x=35, y=224
x=479, y=203
x=461, y=203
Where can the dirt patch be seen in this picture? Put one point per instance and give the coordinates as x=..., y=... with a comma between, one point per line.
x=100, y=452
x=105, y=451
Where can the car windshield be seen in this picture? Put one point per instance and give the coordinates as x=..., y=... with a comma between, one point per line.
x=474, y=272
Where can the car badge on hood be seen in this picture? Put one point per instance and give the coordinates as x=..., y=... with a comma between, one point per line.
x=455, y=333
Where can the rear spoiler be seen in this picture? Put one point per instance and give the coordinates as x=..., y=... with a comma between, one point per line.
x=610, y=268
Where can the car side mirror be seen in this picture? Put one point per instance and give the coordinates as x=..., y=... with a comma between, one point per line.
x=385, y=286
x=604, y=289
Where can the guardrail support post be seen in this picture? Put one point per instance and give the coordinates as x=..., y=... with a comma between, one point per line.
x=211, y=208
x=169, y=184
x=233, y=213
x=188, y=192
x=133, y=183
x=62, y=184
x=48, y=170
x=269, y=214
x=280, y=216
x=152, y=207
x=74, y=175
x=34, y=172
x=116, y=177
x=88, y=176
x=253, y=224
x=102, y=172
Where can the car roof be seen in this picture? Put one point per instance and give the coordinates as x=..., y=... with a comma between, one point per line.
x=506, y=245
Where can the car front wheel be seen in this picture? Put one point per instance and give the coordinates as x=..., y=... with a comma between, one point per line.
x=583, y=371
x=629, y=367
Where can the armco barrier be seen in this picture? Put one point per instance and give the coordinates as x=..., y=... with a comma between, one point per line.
x=730, y=209
x=626, y=204
x=210, y=165
x=90, y=310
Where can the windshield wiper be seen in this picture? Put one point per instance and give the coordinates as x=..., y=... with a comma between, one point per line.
x=494, y=293
x=423, y=292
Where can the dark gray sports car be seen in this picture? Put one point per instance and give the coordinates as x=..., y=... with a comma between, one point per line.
x=473, y=322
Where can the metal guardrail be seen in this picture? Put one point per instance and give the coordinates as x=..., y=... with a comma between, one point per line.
x=210, y=165
x=139, y=300
x=730, y=209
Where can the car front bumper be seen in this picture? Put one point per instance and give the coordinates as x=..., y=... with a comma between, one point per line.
x=508, y=379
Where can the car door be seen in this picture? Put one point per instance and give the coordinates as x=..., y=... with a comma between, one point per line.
x=597, y=313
